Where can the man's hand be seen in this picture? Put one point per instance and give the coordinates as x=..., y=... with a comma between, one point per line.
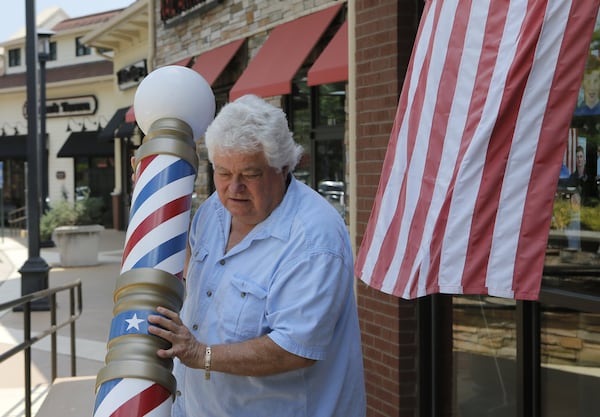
x=254, y=357
x=184, y=345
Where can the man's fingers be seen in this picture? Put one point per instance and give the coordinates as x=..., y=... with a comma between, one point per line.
x=168, y=313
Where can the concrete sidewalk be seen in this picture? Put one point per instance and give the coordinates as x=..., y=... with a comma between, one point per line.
x=92, y=328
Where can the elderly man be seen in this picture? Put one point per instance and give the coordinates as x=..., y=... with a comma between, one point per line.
x=269, y=325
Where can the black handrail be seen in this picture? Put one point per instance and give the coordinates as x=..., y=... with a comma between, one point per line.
x=24, y=303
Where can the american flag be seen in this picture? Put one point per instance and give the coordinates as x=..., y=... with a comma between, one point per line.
x=465, y=197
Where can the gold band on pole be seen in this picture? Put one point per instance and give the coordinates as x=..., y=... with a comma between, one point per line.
x=134, y=355
x=169, y=137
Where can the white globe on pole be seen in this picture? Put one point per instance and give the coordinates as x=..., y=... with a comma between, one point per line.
x=176, y=92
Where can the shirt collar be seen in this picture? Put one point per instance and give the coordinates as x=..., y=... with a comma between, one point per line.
x=279, y=223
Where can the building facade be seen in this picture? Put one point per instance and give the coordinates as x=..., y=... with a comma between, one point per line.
x=79, y=101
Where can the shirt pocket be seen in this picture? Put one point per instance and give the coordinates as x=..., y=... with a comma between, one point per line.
x=196, y=262
x=244, y=310
x=196, y=265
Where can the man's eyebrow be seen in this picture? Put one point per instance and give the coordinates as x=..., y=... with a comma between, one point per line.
x=247, y=169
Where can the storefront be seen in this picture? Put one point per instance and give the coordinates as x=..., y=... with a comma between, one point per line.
x=295, y=57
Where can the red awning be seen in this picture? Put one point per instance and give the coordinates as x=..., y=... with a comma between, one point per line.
x=332, y=64
x=271, y=71
x=211, y=64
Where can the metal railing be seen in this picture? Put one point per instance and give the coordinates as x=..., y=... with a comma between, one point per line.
x=24, y=304
x=17, y=218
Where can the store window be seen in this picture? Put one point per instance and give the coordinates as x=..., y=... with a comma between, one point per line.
x=570, y=372
x=570, y=297
x=13, y=191
x=318, y=119
x=170, y=9
x=575, y=230
x=94, y=177
x=484, y=356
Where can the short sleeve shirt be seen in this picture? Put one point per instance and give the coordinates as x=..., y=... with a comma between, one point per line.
x=290, y=278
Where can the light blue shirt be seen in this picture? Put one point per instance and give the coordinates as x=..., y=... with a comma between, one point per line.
x=290, y=278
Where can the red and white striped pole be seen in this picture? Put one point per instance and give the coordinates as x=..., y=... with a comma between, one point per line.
x=173, y=106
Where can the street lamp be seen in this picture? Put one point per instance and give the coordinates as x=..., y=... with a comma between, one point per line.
x=34, y=272
x=43, y=37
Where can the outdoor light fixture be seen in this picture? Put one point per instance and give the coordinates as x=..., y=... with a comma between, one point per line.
x=4, y=126
x=99, y=123
x=69, y=128
x=90, y=121
x=17, y=124
x=43, y=37
x=173, y=105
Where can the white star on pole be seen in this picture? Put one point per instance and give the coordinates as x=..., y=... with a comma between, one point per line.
x=134, y=322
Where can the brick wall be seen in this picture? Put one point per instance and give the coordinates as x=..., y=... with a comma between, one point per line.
x=240, y=18
x=385, y=31
x=233, y=20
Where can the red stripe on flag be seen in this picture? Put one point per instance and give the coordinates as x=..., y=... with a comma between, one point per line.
x=143, y=403
x=392, y=235
x=498, y=153
x=386, y=170
x=439, y=125
x=492, y=36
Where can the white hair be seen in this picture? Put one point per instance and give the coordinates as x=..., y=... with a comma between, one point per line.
x=250, y=124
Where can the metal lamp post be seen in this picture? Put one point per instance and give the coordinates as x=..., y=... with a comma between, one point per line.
x=34, y=272
x=43, y=37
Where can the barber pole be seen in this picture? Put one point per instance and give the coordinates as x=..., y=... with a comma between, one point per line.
x=135, y=382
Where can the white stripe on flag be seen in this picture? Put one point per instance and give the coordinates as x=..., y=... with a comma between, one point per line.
x=462, y=205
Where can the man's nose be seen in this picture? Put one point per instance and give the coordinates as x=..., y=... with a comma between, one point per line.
x=237, y=184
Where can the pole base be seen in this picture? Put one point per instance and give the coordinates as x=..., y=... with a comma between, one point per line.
x=34, y=277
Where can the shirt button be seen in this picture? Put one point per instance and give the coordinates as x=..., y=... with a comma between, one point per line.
x=243, y=294
x=209, y=293
x=195, y=327
x=178, y=393
x=222, y=261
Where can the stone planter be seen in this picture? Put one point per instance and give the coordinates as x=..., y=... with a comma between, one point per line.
x=78, y=245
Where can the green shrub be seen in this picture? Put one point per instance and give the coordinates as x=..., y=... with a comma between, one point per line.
x=561, y=214
x=590, y=217
x=64, y=213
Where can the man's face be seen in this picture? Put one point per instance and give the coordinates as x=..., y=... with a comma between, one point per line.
x=579, y=159
x=247, y=186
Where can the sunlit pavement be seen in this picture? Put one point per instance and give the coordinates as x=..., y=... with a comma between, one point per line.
x=92, y=327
